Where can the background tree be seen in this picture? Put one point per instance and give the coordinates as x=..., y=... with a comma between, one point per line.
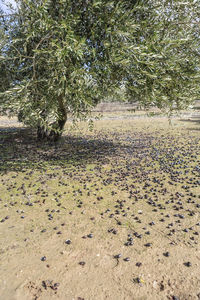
x=62, y=57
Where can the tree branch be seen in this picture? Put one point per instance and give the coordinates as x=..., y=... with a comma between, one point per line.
x=40, y=42
x=9, y=15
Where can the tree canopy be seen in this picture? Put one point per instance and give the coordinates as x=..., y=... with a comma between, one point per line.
x=62, y=57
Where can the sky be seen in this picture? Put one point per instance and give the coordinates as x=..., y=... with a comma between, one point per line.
x=3, y=4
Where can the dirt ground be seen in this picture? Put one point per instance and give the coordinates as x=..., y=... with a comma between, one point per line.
x=109, y=214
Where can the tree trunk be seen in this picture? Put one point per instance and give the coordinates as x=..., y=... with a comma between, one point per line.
x=57, y=127
x=51, y=135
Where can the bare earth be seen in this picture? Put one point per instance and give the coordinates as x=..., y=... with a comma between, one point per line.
x=109, y=214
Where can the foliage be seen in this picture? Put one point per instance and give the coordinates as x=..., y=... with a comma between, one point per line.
x=62, y=57
x=166, y=63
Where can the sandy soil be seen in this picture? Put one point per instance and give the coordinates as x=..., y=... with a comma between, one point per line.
x=109, y=214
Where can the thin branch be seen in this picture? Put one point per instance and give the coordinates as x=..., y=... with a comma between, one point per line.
x=34, y=56
x=9, y=15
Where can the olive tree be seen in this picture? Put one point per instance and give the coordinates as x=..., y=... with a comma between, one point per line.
x=62, y=57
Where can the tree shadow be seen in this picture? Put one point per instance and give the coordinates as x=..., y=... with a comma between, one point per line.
x=192, y=120
x=20, y=150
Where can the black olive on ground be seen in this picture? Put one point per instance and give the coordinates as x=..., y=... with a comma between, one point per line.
x=188, y=264
x=43, y=258
x=138, y=264
x=117, y=256
x=68, y=242
x=127, y=259
x=90, y=235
